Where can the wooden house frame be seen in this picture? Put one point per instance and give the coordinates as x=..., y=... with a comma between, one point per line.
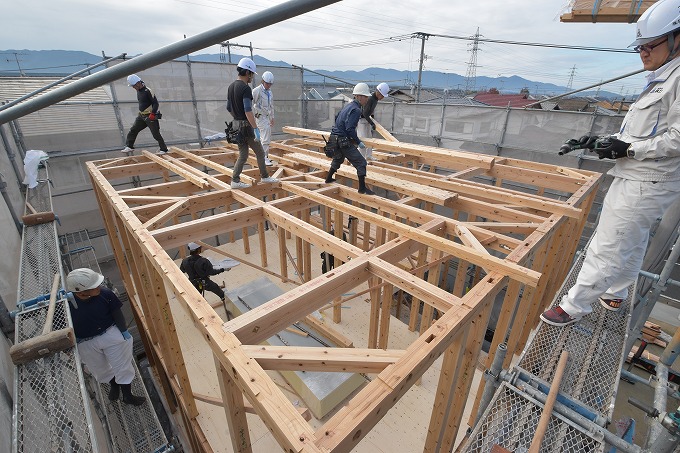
x=441, y=213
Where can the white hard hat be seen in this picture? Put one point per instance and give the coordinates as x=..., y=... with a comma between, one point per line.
x=384, y=89
x=660, y=19
x=83, y=279
x=247, y=63
x=361, y=89
x=268, y=77
x=193, y=246
x=133, y=79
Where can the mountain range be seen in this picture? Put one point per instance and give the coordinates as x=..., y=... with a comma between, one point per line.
x=64, y=62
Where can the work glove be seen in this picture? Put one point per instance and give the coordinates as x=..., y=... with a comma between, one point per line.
x=126, y=335
x=361, y=145
x=221, y=270
x=611, y=148
x=257, y=134
x=373, y=126
x=152, y=116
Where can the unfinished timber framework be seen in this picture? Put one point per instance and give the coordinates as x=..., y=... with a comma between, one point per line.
x=454, y=230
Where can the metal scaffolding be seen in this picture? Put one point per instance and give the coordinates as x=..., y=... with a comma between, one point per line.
x=51, y=408
x=597, y=347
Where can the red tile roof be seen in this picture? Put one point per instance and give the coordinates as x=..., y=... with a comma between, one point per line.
x=502, y=100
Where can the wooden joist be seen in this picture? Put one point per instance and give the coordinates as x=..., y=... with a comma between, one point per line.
x=457, y=222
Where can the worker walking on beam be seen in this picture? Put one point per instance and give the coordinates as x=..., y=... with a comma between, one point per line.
x=148, y=116
x=263, y=109
x=104, y=343
x=240, y=105
x=366, y=124
x=343, y=141
x=646, y=173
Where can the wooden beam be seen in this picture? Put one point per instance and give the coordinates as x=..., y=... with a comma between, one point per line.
x=352, y=360
x=513, y=270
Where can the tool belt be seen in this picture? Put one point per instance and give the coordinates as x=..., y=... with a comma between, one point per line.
x=199, y=283
x=334, y=144
x=235, y=132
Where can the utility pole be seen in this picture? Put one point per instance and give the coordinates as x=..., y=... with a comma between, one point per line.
x=423, y=37
x=229, y=45
x=471, y=74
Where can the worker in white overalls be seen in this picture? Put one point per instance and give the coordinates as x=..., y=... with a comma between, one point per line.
x=646, y=151
x=263, y=109
x=103, y=341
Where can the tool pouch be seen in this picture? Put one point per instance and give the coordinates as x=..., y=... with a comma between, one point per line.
x=343, y=142
x=234, y=136
x=331, y=146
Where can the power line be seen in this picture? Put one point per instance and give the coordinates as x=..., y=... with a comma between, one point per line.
x=372, y=42
x=537, y=44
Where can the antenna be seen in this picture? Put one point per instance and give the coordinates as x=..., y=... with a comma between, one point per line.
x=16, y=58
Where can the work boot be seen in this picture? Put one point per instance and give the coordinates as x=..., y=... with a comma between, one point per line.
x=329, y=178
x=114, y=392
x=362, y=187
x=129, y=398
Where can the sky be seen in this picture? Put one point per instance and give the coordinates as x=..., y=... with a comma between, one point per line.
x=134, y=27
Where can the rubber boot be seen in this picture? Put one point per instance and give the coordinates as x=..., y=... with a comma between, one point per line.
x=114, y=392
x=362, y=186
x=329, y=178
x=129, y=398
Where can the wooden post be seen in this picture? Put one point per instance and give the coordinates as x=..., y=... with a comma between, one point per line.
x=549, y=403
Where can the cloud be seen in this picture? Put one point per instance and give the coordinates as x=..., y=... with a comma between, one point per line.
x=114, y=27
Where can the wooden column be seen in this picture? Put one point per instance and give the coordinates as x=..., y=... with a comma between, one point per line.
x=235, y=411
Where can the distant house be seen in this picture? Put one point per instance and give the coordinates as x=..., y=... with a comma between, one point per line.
x=496, y=99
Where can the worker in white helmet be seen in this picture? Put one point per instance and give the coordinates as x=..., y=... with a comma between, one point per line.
x=366, y=125
x=344, y=141
x=263, y=109
x=148, y=116
x=240, y=105
x=646, y=173
x=103, y=341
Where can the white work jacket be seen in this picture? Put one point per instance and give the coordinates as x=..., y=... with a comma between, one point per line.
x=263, y=103
x=652, y=126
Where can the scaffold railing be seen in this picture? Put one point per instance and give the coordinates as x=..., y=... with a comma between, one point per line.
x=51, y=407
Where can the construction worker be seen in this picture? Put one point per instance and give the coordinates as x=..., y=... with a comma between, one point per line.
x=343, y=141
x=199, y=269
x=366, y=124
x=646, y=173
x=240, y=105
x=263, y=109
x=104, y=343
x=148, y=116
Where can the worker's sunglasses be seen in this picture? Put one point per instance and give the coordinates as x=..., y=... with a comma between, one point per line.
x=647, y=47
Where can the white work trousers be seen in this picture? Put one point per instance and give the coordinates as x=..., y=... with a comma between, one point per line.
x=614, y=257
x=364, y=130
x=264, y=124
x=108, y=355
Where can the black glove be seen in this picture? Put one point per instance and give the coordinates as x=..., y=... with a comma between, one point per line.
x=373, y=126
x=611, y=148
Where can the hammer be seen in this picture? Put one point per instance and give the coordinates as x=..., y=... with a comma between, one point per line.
x=47, y=343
